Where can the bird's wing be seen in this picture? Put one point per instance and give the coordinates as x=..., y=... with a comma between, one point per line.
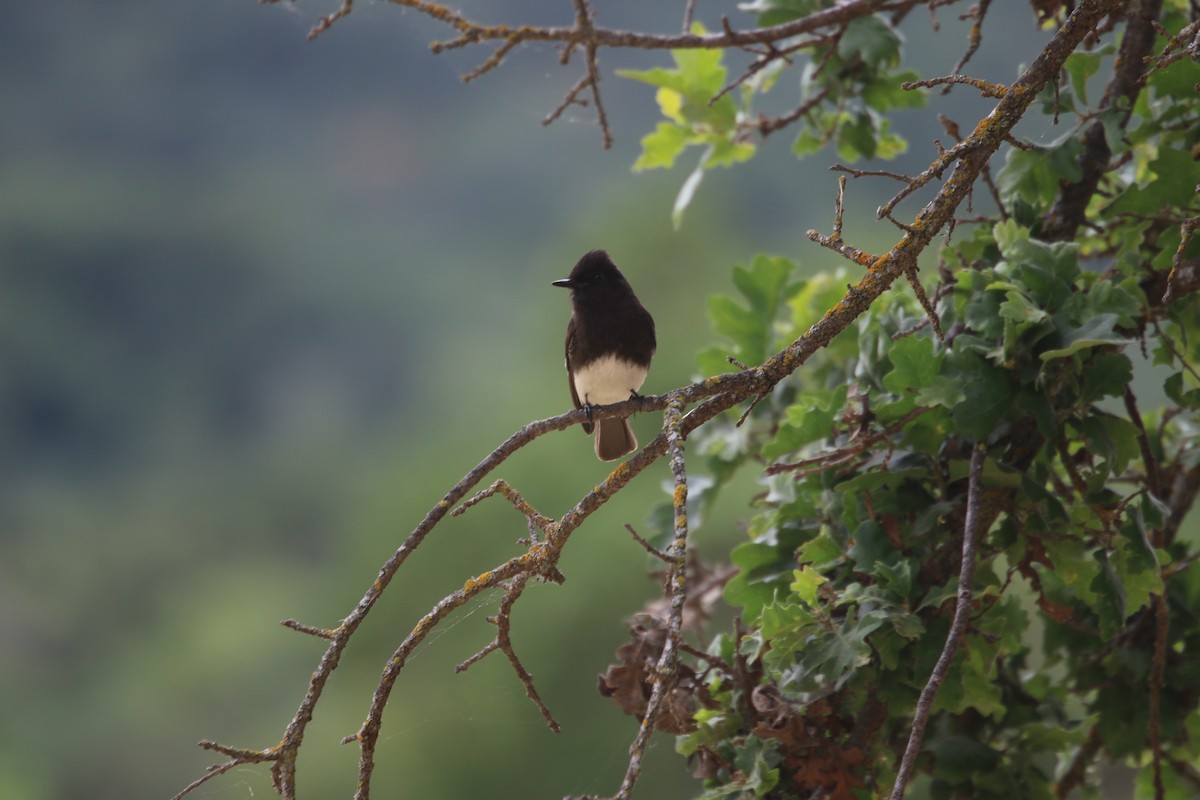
x=570, y=348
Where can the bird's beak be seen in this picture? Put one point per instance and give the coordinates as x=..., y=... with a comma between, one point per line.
x=566, y=283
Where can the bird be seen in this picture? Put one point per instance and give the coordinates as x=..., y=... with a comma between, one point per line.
x=610, y=341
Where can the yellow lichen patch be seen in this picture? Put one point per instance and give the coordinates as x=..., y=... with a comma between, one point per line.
x=473, y=584
x=680, y=496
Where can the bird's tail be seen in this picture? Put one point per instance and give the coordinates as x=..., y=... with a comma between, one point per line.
x=614, y=439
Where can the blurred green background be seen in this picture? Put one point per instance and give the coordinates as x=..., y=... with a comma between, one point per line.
x=264, y=301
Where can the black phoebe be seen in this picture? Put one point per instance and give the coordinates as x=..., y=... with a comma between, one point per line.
x=610, y=341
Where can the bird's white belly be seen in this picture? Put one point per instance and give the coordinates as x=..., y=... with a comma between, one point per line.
x=608, y=380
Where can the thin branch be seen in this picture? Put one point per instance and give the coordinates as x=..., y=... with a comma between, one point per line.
x=839, y=208
x=749, y=409
x=501, y=487
x=869, y=173
x=212, y=772
x=326, y=22
x=584, y=23
x=320, y=633
x=986, y=88
x=492, y=61
x=651, y=549
x=930, y=312
x=958, y=627
x=974, y=38
x=689, y=11
x=503, y=643
x=835, y=242
x=1153, y=481
x=668, y=663
x=571, y=98
x=1073, y=778
x=1184, y=44
x=934, y=170
x=1158, y=669
x=768, y=125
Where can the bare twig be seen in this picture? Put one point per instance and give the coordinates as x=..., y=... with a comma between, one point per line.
x=869, y=173
x=571, y=98
x=770, y=55
x=835, y=242
x=212, y=772
x=974, y=38
x=326, y=22
x=930, y=312
x=501, y=487
x=502, y=642
x=768, y=125
x=584, y=23
x=986, y=88
x=651, y=549
x=958, y=627
x=1153, y=481
x=1184, y=44
x=689, y=11
x=668, y=662
x=839, y=208
x=320, y=633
